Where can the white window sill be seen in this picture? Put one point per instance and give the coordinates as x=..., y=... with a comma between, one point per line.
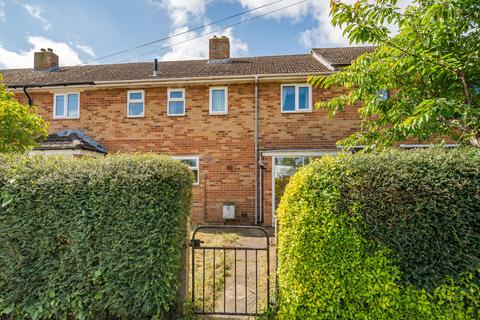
x=176, y=115
x=218, y=113
x=66, y=118
x=298, y=111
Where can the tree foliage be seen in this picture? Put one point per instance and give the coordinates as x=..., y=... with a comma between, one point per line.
x=431, y=68
x=20, y=126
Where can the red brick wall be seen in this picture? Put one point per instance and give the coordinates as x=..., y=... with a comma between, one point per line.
x=308, y=130
x=224, y=143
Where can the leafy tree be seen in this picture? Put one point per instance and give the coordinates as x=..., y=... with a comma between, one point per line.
x=431, y=68
x=20, y=126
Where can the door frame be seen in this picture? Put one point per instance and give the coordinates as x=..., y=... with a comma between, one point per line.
x=291, y=154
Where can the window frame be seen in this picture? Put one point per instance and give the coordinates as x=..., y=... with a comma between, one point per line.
x=65, y=101
x=176, y=100
x=135, y=101
x=197, y=159
x=210, y=109
x=297, y=98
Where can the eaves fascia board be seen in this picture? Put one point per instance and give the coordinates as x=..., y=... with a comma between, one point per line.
x=175, y=81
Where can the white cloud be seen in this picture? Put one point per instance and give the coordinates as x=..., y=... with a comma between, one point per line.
x=36, y=11
x=293, y=11
x=194, y=46
x=183, y=12
x=3, y=17
x=86, y=49
x=198, y=48
x=24, y=59
x=323, y=34
x=180, y=11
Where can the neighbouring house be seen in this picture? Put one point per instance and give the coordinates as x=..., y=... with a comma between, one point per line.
x=73, y=143
x=243, y=125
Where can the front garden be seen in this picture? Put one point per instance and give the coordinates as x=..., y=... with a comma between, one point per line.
x=392, y=235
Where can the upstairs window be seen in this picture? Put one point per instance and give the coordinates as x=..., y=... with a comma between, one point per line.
x=296, y=98
x=219, y=100
x=66, y=106
x=176, y=102
x=193, y=163
x=136, y=104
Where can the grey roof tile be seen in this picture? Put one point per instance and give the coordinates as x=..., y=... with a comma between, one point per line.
x=342, y=56
x=271, y=65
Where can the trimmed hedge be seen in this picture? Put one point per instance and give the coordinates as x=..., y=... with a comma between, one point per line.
x=91, y=238
x=382, y=236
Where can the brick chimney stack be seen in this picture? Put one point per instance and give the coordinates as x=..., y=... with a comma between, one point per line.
x=45, y=60
x=219, y=48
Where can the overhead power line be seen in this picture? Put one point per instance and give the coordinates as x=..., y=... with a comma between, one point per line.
x=180, y=33
x=216, y=30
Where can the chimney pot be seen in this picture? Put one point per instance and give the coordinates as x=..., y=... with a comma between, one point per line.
x=45, y=60
x=219, y=48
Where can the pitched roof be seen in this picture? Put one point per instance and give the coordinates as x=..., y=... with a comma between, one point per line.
x=344, y=56
x=70, y=140
x=289, y=64
x=189, y=69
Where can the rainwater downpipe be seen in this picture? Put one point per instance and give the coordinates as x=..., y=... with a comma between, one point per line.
x=256, y=154
x=30, y=100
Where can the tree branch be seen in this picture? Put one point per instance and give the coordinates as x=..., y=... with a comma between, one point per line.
x=468, y=97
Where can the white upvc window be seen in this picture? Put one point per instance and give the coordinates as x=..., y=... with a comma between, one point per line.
x=296, y=98
x=218, y=100
x=176, y=102
x=66, y=105
x=136, y=103
x=193, y=162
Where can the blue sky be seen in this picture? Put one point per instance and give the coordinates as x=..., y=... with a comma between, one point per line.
x=79, y=31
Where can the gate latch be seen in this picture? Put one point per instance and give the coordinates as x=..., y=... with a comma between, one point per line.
x=196, y=243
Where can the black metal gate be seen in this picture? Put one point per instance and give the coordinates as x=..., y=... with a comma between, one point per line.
x=216, y=288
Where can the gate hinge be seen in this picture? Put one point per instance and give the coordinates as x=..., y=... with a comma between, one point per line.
x=196, y=243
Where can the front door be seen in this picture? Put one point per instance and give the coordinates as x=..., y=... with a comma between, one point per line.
x=284, y=167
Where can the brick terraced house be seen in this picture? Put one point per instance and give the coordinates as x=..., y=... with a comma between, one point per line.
x=242, y=124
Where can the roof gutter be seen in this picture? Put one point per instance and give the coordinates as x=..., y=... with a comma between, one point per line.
x=34, y=86
x=210, y=79
x=154, y=82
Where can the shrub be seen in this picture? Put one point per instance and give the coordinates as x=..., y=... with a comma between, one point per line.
x=382, y=236
x=91, y=238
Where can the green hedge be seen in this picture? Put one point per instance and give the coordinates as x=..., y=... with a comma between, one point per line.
x=382, y=236
x=91, y=238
